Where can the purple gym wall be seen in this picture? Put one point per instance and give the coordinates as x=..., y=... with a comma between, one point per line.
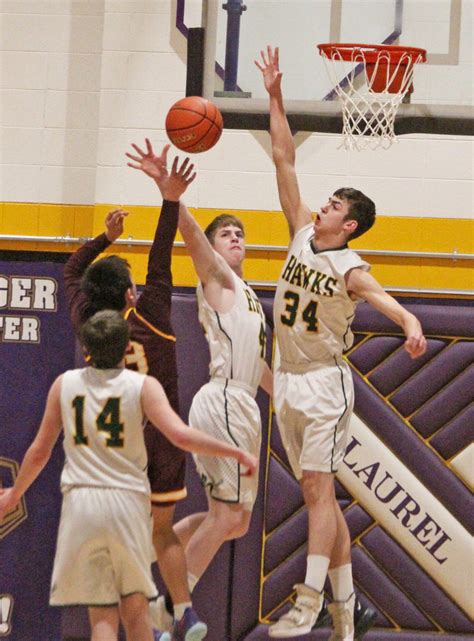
x=419, y=410
x=36, y=345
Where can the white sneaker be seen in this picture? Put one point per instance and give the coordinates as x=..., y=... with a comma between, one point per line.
x=160, y=617
x=302, y=616
x=342, y=613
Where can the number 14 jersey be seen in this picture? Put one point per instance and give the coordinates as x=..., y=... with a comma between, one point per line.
x=103, y=429
x=313, y=310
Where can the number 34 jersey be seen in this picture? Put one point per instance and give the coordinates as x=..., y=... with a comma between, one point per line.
x=313, y=310
x=103, y=429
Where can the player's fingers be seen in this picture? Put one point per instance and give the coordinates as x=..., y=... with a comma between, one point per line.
x=257, y=64
x=174, y=166
x=191, y=178
x=412, y=346
x=188, y=173
x=116, y=218
x=164, y=153
x=184, y=165
x=276, y=57
x=186, y=170
x=420, y=346
x=132, y=157
x=149, y=148
x=138, y=150
x=130, y=164
x=264, y=60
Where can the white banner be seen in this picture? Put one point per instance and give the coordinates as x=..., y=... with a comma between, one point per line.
x=410, y=513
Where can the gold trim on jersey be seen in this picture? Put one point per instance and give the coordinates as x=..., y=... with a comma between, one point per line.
x=169, y=497
x=168, y=337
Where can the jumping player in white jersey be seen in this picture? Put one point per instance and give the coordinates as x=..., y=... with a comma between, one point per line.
x=317, y=292
x=104, y=542
x=234, y=323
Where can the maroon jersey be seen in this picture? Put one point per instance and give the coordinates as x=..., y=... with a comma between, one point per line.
x=153, y=344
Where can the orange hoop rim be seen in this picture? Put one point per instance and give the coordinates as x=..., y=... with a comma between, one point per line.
x=371, y=53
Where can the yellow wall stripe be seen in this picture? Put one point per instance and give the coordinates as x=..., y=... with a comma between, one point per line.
x=391, y=233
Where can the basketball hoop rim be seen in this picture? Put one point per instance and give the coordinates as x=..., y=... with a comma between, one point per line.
x=371, y=53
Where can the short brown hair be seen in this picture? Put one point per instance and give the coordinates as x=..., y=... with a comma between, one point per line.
x=361, y=209
x=105, y=337
x=105, y=283
x=223, y=220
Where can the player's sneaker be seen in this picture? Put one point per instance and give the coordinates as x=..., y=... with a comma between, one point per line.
x=364, y=619
x=161, y=636
x=302, y=616
x=189, y=628
x=160, y=617
x=324, y=617
x=342, y=613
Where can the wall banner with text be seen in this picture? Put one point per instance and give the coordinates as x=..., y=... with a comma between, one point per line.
x=36, y=345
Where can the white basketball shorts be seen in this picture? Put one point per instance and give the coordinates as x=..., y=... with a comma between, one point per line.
x=103, y=548
x=228, y=412
x=313, y=410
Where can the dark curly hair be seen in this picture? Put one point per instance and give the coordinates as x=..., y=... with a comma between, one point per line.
x=361, y=209
x=105, y=283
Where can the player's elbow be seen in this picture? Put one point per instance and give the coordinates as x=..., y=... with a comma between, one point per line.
x=283, y=156
x=279, y=156
x=180, y=439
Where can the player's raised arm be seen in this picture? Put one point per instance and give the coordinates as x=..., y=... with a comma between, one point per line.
x=296, y=211
x=38, y=453
x=364, y=285
x=209, y=265
x=159, y=412
x=172, y=185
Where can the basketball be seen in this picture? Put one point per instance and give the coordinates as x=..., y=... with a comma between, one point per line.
x=194, y=124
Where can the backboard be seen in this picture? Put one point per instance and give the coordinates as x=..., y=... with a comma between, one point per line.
x=236, y=30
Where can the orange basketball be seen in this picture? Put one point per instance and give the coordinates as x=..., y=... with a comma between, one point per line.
x=194, y=124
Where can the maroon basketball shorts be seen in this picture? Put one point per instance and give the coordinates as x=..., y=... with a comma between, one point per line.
x=166, y=468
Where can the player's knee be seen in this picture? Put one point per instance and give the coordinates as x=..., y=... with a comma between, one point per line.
x=238, y=525
x=163, y=522
x=318, y=488
x=240, y=530
x=134, y=609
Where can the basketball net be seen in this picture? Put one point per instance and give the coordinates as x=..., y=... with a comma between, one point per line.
x=376, y=79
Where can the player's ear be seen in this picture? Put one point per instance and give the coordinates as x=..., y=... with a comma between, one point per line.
x=350, y=226
x=130, y=297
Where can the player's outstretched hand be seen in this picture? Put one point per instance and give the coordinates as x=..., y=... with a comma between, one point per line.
x=270, y=68
x=180, y=177
x=248, y=464
x=171, y=185
x=146, y=161
x=114, y=224
x=415, y=343
x=7, y=502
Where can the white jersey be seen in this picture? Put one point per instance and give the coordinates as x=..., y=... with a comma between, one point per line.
x=103, y=429
x=313, y=310
x=237, y=338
